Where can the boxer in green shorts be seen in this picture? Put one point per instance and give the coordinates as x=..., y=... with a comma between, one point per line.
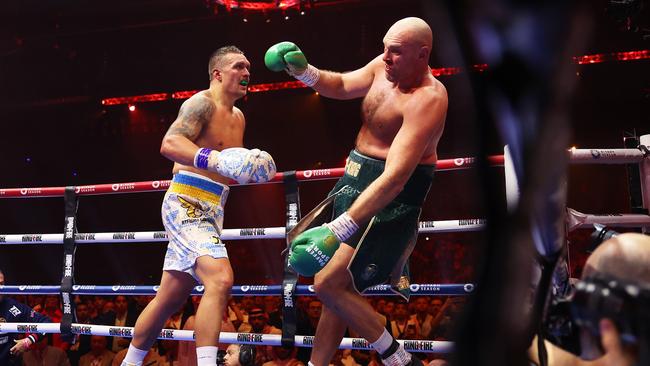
x=403, y=111
x=383, y=245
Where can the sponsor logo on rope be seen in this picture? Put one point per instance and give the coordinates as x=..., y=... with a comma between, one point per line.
x=418, y=345
x=308, y=340
x=200, y=288
x=156, y=288
x=84, y=189
x=288, y=295
x=468, y=287
x=249, y=337
x=432, y=287
x=3, y=192
x=600, y=153
x=468, y=222
x=86, y=236
x=122, y=288
x=26, y=191
x=27, y=328
x=83, y=287
x=316, y=173
x=123, y=236
x=14, y=311
x=246, y=288
x=120, y=332
x=81, y=329
x=3, y=239
x=30, y=287
x=32, y=238
x=160, y=235
x=425, y=224
x=160, y=184
x=383, y=287
x=122, y=186
x=359, y=343
x=167, y=334
x=69, y=227
x=311, y=288
x=252, y=232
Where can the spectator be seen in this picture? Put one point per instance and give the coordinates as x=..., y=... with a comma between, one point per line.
x=52, y=309
x=307, y=326
x=124, y=315
x=422, y=317
x=42, y=354
x=99, y=355
x=403, y=326
x=284, y=356
x=272, y=308
x=257, y=323
x=82, y=344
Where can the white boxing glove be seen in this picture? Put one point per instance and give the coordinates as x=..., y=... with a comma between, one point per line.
x=264, y=168
x=238, y=163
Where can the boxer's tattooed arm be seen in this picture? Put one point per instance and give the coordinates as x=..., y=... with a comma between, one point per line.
x=195, y=113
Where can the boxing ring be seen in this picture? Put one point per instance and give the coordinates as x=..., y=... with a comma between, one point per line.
x=639, y=156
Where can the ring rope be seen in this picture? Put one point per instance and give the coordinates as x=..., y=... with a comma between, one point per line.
x=224, y=337
x=575, y=219
x=162, y=185
x=577, y=156
x=426, y=227
x=579, y=220
x=418, y=289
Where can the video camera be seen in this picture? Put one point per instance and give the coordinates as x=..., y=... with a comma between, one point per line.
x=596, y=297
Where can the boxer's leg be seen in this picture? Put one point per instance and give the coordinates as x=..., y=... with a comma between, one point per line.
x=174, y=289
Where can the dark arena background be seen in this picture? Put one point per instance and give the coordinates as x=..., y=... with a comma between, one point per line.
x=88, y=90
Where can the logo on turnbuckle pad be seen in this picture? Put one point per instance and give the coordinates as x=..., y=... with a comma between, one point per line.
x=369, y=272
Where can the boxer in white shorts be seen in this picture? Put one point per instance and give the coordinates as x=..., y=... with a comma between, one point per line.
x=205, y=144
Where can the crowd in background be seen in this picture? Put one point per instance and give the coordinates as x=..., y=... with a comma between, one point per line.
x=423, y=318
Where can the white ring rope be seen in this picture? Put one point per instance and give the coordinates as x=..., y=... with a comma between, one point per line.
x=577, y=220
x=224, y=337
x=426, y=227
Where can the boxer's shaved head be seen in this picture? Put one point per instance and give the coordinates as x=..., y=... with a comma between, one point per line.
x=412, y=30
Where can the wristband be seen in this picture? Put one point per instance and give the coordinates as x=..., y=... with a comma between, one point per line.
x=343, y=227
x=310, y=76
x=201, y=158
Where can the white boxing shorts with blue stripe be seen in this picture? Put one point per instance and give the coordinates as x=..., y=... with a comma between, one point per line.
x=192, y=213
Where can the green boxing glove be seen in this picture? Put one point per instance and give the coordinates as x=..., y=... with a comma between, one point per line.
x=313, y=249
x=287, y=56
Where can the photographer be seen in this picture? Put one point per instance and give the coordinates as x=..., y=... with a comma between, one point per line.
x=624, y=258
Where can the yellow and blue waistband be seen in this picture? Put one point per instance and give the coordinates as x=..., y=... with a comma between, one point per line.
x=197, y=186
